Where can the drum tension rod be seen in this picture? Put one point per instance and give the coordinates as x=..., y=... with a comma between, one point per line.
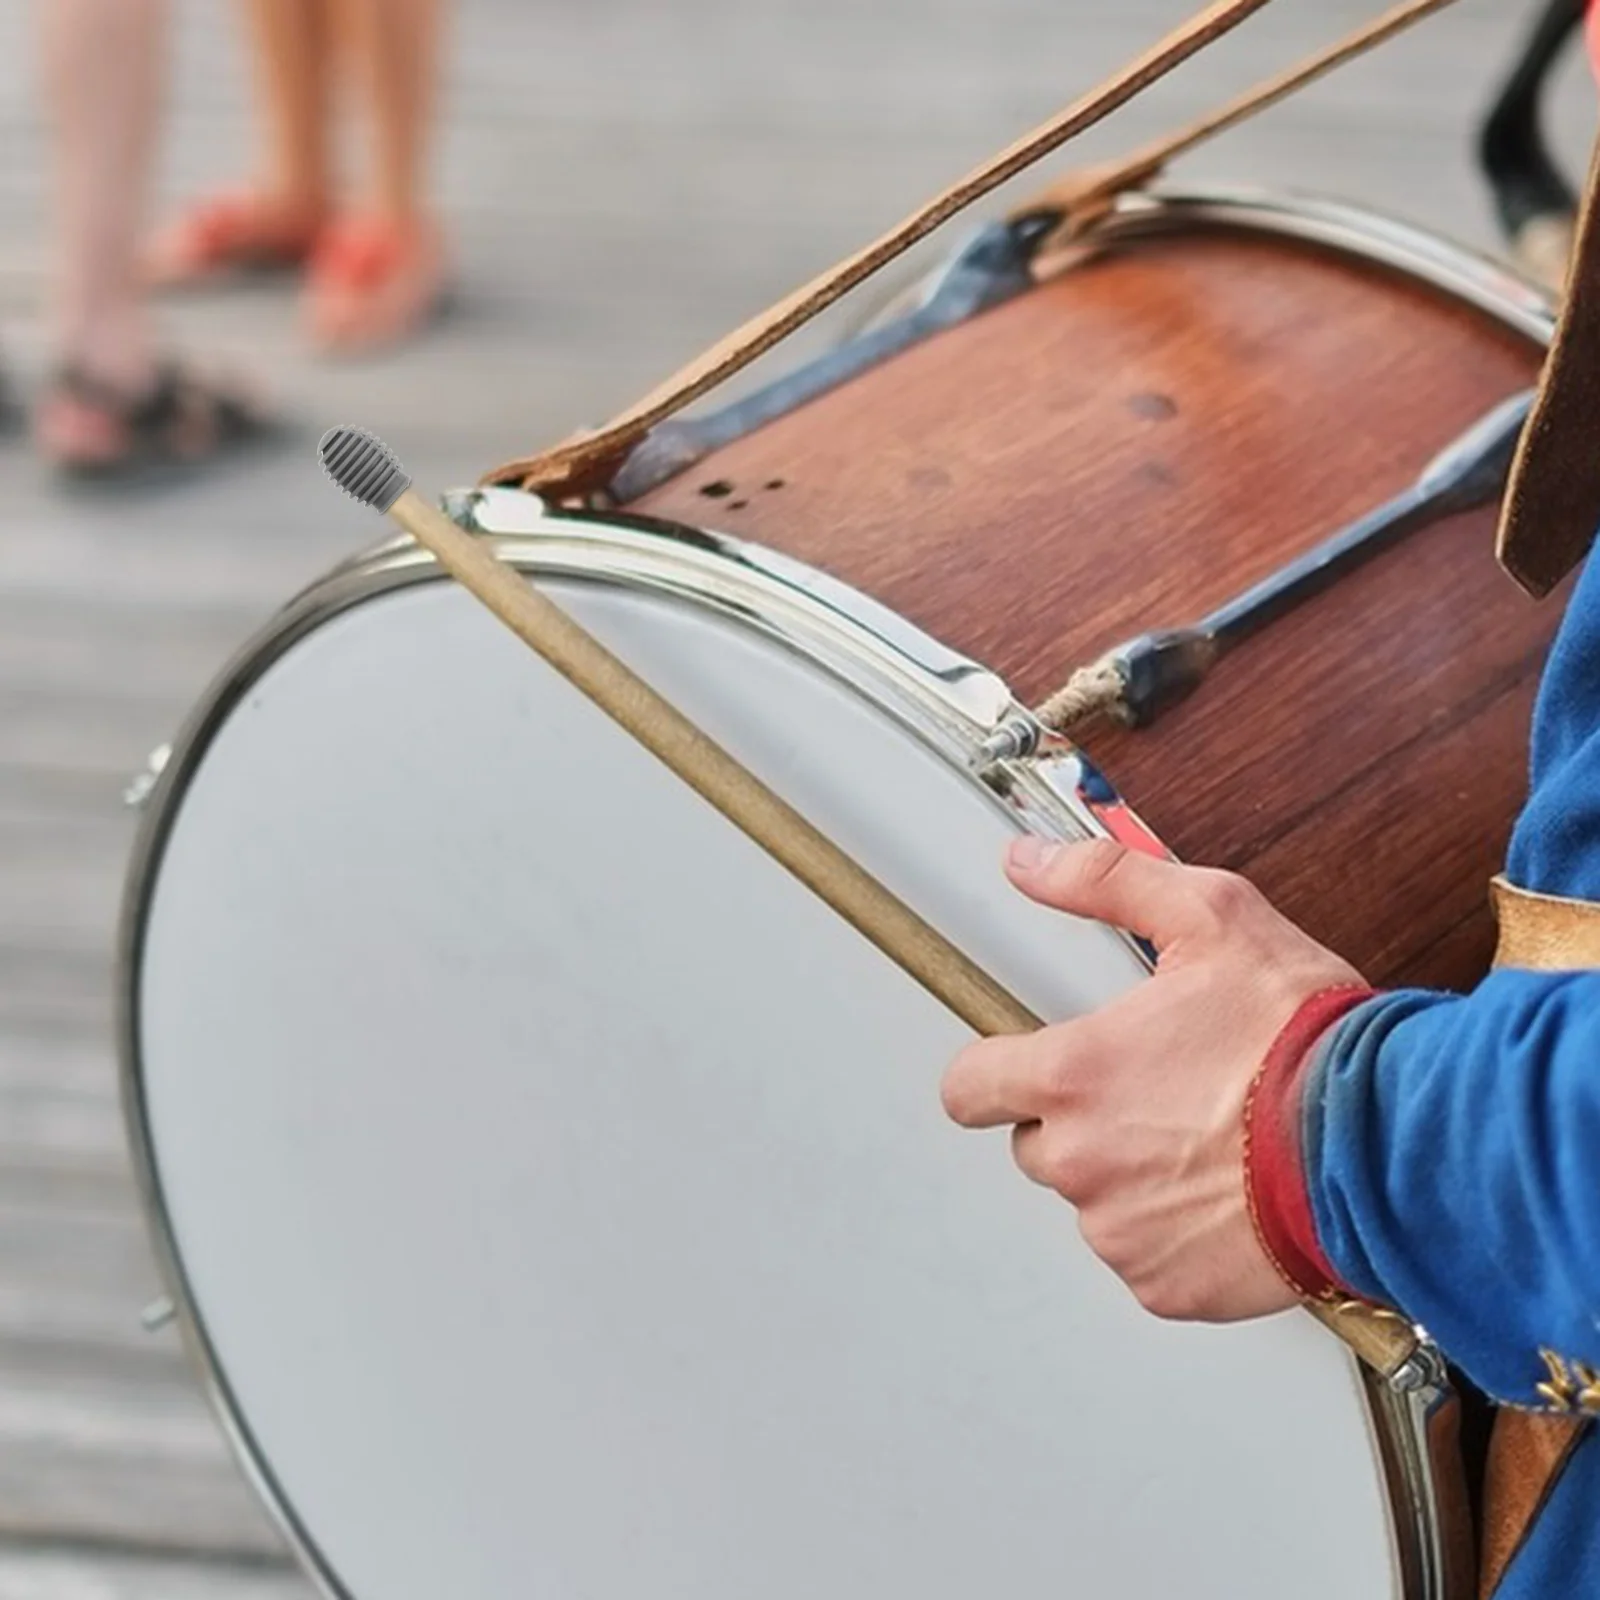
x=1140, y=678
x=993, y=266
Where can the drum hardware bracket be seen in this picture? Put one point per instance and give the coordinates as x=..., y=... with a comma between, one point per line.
x=1139, y=679
x=1423, y=1369
x=995, y=264
x=1017, y=737
x=461, y=506
x=141, y=786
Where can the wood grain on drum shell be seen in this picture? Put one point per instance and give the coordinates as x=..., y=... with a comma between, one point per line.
x=1133, y=442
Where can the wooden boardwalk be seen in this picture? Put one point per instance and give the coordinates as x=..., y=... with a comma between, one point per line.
x=625, y=182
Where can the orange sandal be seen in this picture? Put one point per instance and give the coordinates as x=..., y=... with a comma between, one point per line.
x=374, y=283
x=235, y=233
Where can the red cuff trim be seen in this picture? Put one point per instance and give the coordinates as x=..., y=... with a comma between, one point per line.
x=1274, y=1163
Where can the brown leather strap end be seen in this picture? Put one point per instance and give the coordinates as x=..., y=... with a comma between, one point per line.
x=581, y=464
x=1544, y=932
x=1084, y=195
x=1552, y=507
x=1527, y=1455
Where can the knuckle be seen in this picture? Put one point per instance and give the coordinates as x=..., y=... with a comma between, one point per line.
x=1058, y=1077
x=1095, y=863
x=1030, y=1156
x=1226, y=895
x=1067, y=1168
x=1066, y=1070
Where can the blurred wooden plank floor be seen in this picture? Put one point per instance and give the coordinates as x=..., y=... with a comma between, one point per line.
x=624, y=182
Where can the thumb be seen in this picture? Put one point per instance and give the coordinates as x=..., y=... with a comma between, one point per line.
x=1161, y=900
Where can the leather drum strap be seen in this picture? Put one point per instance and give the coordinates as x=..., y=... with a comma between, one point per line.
x=1528, y=1450
x=1084, y=194
x=1552, y=506
x=587, y=461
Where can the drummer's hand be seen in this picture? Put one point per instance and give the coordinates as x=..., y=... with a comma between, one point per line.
x=1135, y=1113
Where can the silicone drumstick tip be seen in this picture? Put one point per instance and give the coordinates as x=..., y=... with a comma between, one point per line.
x=363, y=466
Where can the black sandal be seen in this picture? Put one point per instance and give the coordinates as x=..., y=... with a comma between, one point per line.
x=12, y=415
x=183, y=424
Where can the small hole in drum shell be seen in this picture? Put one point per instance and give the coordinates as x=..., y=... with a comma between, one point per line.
x=718, y=489
x=1153, y=407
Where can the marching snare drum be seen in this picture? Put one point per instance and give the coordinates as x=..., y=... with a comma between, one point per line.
x=556, y=1196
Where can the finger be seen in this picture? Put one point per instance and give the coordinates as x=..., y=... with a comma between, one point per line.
x=1055, y=1155
x=1031, y=1151
x=998, y=1081
x=1162, y=900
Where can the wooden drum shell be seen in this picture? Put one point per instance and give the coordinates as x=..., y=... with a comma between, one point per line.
x=1135, y=440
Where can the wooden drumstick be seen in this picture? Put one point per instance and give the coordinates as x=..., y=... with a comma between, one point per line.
x=366, y=469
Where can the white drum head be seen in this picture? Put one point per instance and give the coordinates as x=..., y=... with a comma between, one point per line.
x=562, y=1198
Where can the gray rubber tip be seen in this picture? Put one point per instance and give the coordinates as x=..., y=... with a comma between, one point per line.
x=363, y=466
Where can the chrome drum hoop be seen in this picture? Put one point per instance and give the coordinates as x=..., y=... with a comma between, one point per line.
x=946, y=701
x=1359, y=232
x=1493, y=286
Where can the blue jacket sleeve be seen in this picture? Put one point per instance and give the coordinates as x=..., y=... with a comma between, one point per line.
x=1453, y=1159
x=1452, y=1143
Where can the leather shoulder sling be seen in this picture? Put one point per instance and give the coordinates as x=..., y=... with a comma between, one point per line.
x=1552, y=506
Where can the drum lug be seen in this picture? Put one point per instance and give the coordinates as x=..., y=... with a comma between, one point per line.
x=137, y=794
x=1015, y=739
x=994, y=265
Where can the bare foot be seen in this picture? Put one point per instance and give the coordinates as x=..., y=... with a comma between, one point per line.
x=236, y=232
x=374, y=283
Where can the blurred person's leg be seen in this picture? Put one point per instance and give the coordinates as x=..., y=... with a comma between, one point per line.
x=294, y=50
x=103, y=66
x=273, y=222
x=380, y=272
x=113, y=399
